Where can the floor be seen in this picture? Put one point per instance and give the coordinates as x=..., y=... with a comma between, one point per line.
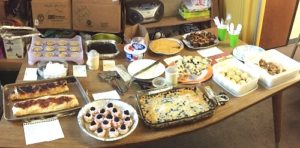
x=252, y=128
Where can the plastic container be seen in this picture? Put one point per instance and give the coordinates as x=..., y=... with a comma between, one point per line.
x=234, y=89
x=135, y=51
x=291, y=67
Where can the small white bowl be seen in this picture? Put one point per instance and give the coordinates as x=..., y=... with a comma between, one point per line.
x=159, y=82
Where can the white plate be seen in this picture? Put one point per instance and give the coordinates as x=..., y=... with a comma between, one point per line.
x=244, y=51
x=151, y=73
x=187, y=43
x=101, y=104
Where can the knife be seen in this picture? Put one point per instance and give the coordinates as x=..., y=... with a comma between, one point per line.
x=141, y=71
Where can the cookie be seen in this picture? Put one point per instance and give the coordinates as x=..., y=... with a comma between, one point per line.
x=74, y=54
x=49, y=54
x=62, y=48
x=37, y=54
x=63, y=54
x=37, y=48
x=62, y=43
x=38, y=43
x=74, y=49
x=49, y=48
x=50, y=43
x=74, y=43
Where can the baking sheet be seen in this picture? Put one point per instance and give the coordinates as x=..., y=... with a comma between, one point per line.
x=212, y=104
x=74, y=88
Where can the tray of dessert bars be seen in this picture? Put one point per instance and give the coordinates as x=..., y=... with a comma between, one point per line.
x=171, y=106
x=68, y=49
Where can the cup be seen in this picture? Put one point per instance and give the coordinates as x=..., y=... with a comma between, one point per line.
x=233, y=40
x=222, y=34
x=171, y=75
x=93, y=60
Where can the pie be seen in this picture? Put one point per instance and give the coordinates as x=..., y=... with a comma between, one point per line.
x=37, y=48
x=172, y=105
x=165, y=46
x=44, y=104
x=74, y=49
x=49, y=54
x=38, y=90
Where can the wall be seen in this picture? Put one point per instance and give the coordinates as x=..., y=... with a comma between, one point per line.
x=296, y=29
x=246, y=12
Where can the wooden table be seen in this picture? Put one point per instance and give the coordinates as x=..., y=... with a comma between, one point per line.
x=12, y=134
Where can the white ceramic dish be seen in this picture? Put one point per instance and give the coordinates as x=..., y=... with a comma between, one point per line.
x=100, y=104
x=234, y=89
x=291, y=67
x=151, y=73
x=243, y=51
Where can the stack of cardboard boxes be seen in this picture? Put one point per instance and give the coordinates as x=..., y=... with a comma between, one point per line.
x=79, y=15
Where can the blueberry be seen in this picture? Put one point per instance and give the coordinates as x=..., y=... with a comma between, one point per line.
x=99, y=130
x=110, y=105
x=88, y=114
x=92, y=108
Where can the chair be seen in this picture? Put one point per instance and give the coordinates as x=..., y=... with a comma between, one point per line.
x=296, y=47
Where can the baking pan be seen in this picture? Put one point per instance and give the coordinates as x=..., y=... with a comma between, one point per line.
x=74, y=88
x=109, y=54
x=212, y=105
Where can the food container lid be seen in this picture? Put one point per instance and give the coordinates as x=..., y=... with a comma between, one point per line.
x=135, y=48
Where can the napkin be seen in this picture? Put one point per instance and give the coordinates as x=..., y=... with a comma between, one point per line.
x=79, y=71
x=169, y=60
x=42, y=130
x=210, y=52
x=109, y=65
x=30, y=74
x=106, y=95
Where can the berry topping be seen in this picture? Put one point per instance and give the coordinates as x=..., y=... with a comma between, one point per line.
x=114, y=110
x=116, y=119
x=102, y=110
x=105, y=122
x=93, y=123
x=99, y=116
x=123, y=126
x=88, y=114
x=127, y=119
x=112, y=130
x=99, y=130
x=109, y=116
x=110, y=105
x=92, y=108
x=126, y=112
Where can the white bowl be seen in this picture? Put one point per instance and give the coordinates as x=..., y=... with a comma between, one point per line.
x=291, y=67
x=233, y=88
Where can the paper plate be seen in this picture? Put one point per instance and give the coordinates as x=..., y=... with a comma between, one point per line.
x=244, y=51
x=151, y=73
x=101, y=104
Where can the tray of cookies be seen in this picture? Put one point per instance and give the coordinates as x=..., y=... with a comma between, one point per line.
x=42, y=99
x=68, y=49
x=171, y=106
x=108, y=119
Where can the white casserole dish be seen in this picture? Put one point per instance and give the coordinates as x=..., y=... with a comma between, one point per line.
x=234, y=89
x=290, y=66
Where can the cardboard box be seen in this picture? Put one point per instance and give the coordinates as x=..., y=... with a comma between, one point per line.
x=52, y=14
x=136, y=30
x=14, y=49
x=97, y=16
x=2, y=10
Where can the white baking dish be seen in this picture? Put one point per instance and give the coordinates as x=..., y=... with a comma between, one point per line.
x=291, y=67
x=234, y=89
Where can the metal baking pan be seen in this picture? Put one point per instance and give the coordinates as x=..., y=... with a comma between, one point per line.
x=212, y=105
x=74, y=88
x=113, y=53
